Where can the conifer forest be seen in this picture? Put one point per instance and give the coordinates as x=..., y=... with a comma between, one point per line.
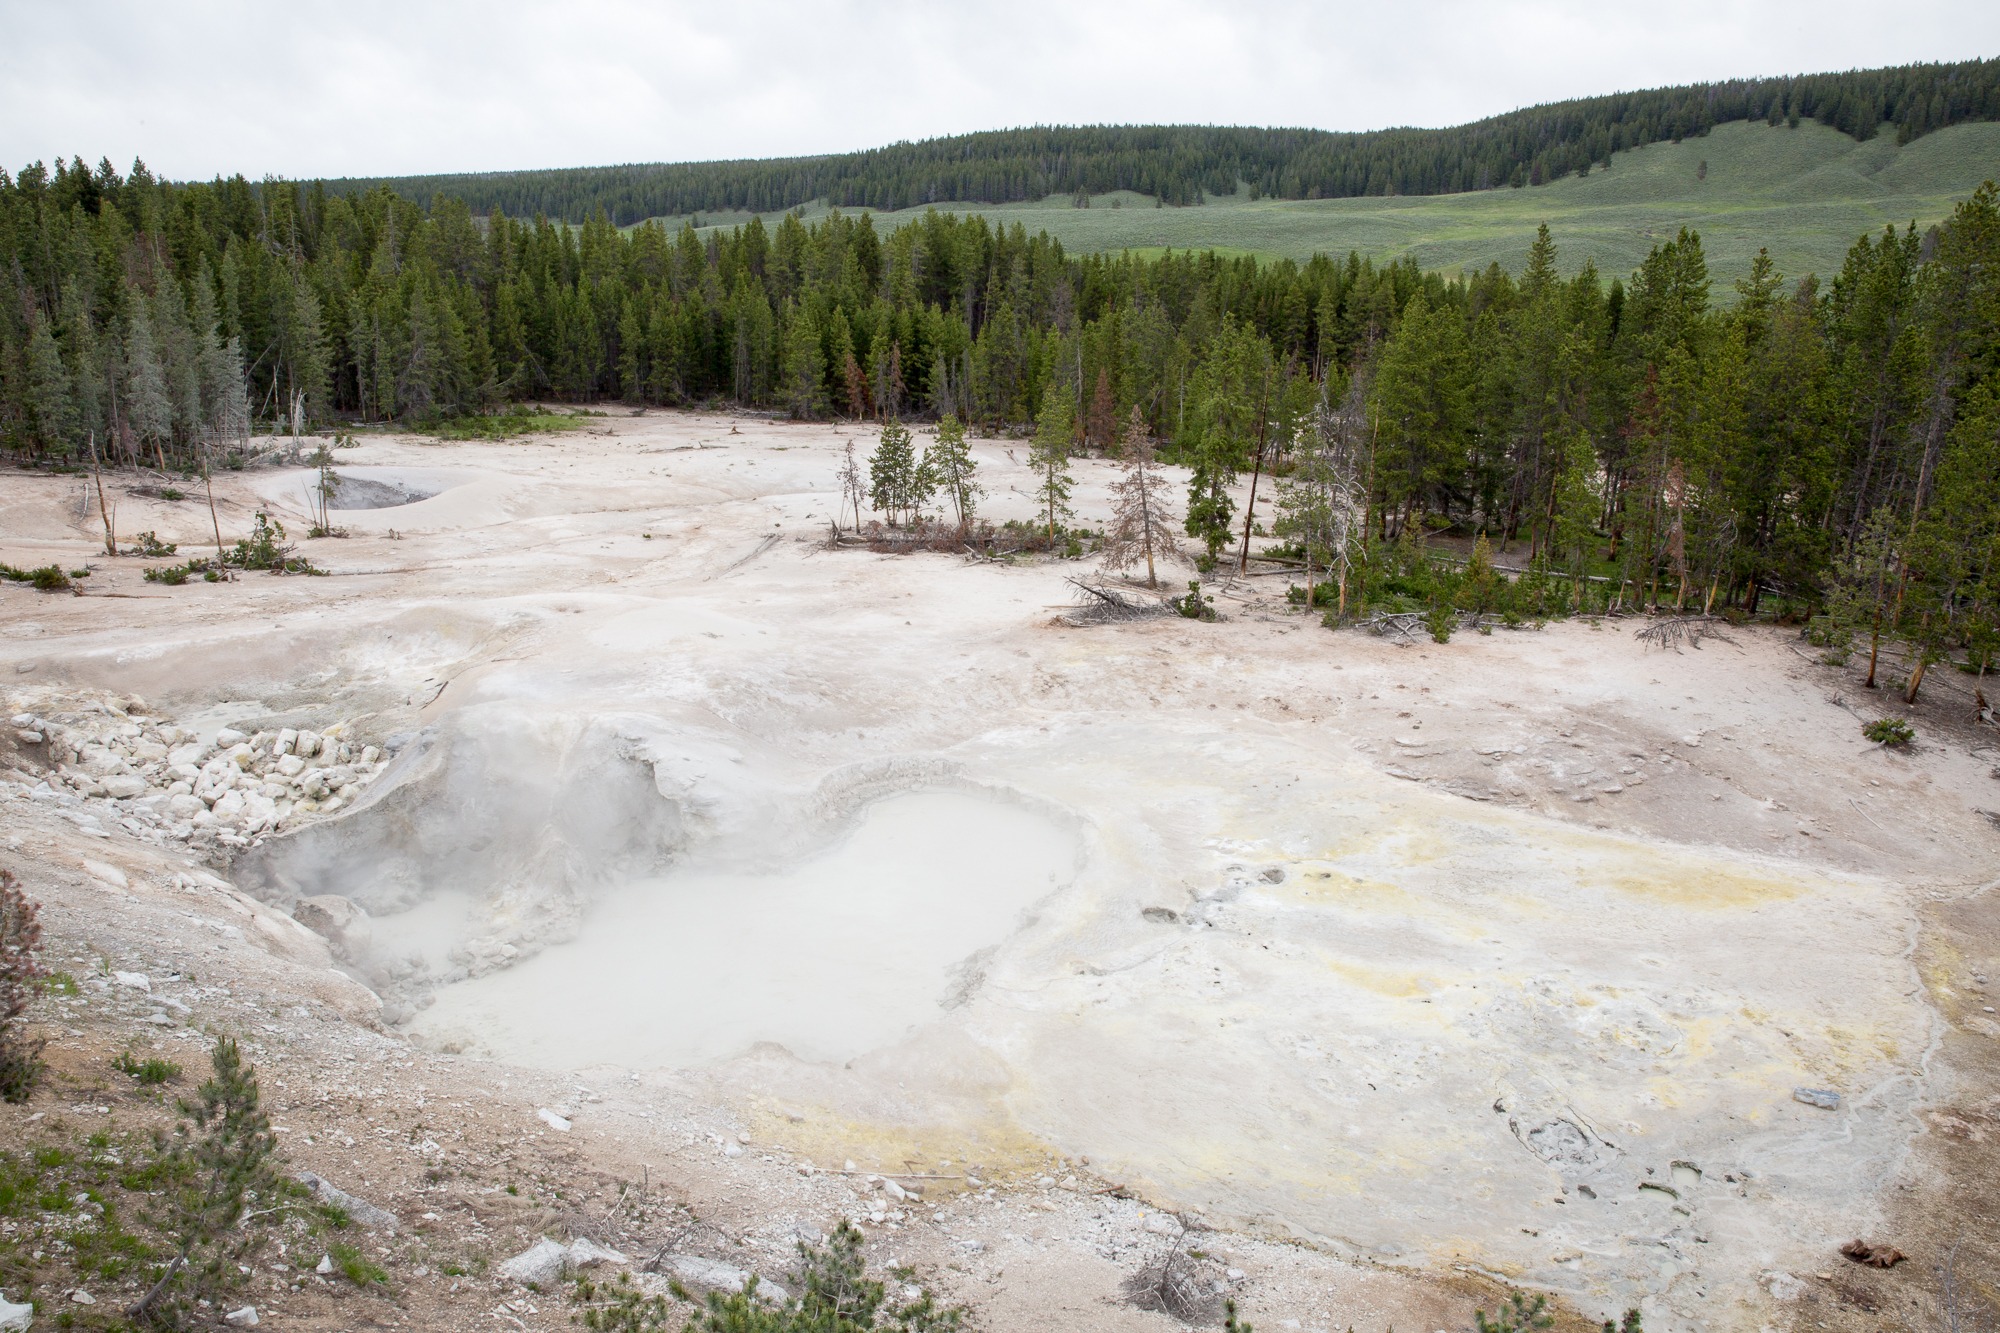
x=1830, y=441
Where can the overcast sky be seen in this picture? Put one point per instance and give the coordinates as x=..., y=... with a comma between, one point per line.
x=307, y=88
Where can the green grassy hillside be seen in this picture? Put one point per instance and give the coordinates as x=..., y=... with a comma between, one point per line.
x=1806, y=193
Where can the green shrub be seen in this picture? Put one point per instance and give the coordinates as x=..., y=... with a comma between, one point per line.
x=1193, y=605
x=47, y=578
x=1890, y=731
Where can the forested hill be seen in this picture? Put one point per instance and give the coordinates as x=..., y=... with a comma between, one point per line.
x=1179, y=164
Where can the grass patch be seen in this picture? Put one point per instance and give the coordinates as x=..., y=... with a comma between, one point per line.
x=510, y=424
x=148, y=1073
x=1804, y=193
x=356, y=1267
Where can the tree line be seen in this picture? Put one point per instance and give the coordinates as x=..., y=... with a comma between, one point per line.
x=1832, y=444
x=1183, y=164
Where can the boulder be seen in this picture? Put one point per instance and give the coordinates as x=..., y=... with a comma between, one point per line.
x=357, y=1209
x=540, y=1264
x=243, y=1318
x=15, y=1318
x=340, y=921
x=228, y=807
x=585, y=1252
x=124, y=786
x=259, y=812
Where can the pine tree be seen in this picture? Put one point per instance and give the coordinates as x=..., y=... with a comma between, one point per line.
x=148, y=413
x=892, y=472
x=219, y=1166
x=1048, y=457
x=51, y=405
x=803, y=370
x=1141, y=515
x=952, y=466
x=1103, y=431
x=1230, y=394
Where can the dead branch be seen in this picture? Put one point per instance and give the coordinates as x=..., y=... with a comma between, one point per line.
x=1101, y=604
x=1674, y=631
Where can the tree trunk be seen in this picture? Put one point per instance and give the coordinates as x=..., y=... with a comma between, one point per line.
x=1250, y=508
x=1916, y=679
x=110, y=538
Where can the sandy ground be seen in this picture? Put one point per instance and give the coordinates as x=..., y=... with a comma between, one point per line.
x=1400, y=970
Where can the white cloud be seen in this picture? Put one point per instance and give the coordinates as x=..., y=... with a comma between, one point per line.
x=371, y=87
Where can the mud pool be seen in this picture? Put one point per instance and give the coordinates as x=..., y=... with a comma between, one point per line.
x=844, y=952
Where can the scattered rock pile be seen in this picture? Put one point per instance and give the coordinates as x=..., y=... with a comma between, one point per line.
x=106, y=757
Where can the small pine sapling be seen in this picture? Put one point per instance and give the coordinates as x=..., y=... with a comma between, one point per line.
x=20, y=938
x=220, y=1183
x=1519, y=1315
x=1891, y=731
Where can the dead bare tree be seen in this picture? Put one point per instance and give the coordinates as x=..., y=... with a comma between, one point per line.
x=1141, y=515
x=1324, y=504
x=104, y=511
x=853, y=486
x=1173, y=1284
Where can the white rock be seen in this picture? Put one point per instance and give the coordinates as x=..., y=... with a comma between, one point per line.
x=291, y=766
x=371, y=754
x=136, y=980
x=540, y=1264
x=259, y=812
x=229, y=737
x=192, y=755
x=82, y=1297
x=29, y=737
x=287, y=738
x=15, y=1318
x=708, y=1274
x=228, y=807
x=584, y=1252
x=552, y=1120
x=732, y=1150
x=306, y=743
x=1163, y=1224
x=894, y=1191
x=108, y=873
x=243, y=1318
x=124, y=786
x=358, y=1209
x=340, y=921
